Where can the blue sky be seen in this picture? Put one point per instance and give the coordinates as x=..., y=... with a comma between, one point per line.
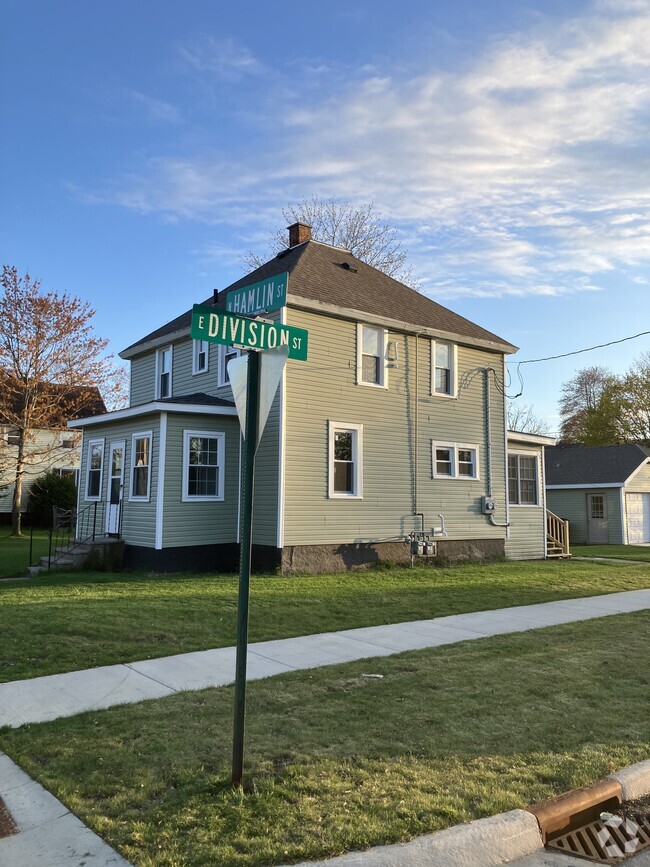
x=148, y=145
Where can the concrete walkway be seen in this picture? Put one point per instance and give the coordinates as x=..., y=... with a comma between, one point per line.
x=62, y=695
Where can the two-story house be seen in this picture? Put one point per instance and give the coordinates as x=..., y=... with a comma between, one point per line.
x=395, y=423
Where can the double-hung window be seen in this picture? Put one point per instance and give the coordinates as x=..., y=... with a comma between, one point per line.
x=141, y=465
x=226, y=354
x=200, y=356
x=371, y=351
x=454, y=461
x=345, y=460
x=13, y=437
x=94, y=467
x=443, y=368
x=164, y=372
x=522, y=480
x=203, y=465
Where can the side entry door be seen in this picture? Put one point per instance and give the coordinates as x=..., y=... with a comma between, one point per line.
x=115, y=488
x=597, y=529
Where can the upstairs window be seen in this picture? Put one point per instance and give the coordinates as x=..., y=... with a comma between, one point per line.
x=141, y=466
x=454, y=461
x=371, y=350
x=164, y=372
x=69, y=440
x=522, y=480
x=345, y=460
x=200, y=356
x=443, y=368
x=226, y=353
x=13, y=437
x=95, y=464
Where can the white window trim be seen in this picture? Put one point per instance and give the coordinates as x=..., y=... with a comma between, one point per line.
x=455, y=448
x=138, y=436
x=211, y=434
x=159, y=354
x=454, y=370
x=535, y=505
x=357, y=456
x=196, y=349
x=91, y=443
x=221, y=379
x=383, y=370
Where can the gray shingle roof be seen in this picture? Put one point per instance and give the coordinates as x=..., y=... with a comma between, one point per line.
x=593, y=465
x=318, y=273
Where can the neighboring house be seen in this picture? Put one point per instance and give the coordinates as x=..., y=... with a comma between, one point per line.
x=57, y=449
x=603, y=491
x=527, y=537
x=394, y=424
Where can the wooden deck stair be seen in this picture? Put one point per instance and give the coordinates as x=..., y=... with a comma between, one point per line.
x=557, y=537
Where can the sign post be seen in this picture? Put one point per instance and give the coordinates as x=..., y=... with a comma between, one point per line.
x=229, y=329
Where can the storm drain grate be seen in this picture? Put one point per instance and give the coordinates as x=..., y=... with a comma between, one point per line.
x=605, y=841
x=7, y=824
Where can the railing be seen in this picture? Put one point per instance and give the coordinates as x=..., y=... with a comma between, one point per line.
x=70, y=529
x=557, y=534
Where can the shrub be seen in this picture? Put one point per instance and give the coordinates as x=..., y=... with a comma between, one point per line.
x=50, y=490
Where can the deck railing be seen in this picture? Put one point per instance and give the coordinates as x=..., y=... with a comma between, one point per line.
x=557, y=534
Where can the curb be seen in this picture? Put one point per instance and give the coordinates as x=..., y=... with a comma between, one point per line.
x=506, y=836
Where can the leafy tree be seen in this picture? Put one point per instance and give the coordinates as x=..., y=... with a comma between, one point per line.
x=51, y=490
x=51, y=366
x=592, y=408
x=361, y=230
x=635, y=390
x=522, y=418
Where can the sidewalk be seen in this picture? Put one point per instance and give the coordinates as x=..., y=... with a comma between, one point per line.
x=61, y=695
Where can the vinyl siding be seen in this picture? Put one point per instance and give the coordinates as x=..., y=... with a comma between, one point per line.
x=138, y=517
x=43, y=454
x=324, y=388
x=571, y=505
x=640, y=484
x=200, y=523
x=528, y=523
x=143, y=379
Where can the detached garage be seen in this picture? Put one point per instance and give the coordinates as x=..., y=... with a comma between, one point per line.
x=603, y=491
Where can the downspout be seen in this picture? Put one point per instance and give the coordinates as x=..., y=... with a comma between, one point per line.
x=505, y=452
x=488, y=438
x=416, y=433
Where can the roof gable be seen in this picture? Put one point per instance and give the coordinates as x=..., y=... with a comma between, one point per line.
x=593, y=465
x=329, y=275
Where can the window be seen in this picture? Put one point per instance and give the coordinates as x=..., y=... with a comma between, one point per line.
x=164, y=372
x=69, y=440
x=13, y=437
x=69, y=473
x=226, y=353
x=371, y=350
x=203, y=465
x=200, y=356
x=454, y=461
x=443, y=368
x=345, y=460
x=141, y=465
x=522, y=480
x=597, y=506
x=94, y=469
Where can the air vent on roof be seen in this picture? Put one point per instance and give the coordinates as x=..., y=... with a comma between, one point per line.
x=349, y=267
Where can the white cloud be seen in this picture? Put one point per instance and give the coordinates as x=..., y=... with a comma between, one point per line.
x=156, y=109
x=223, y=58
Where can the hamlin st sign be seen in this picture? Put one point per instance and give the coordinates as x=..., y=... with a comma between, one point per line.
x=230, y=330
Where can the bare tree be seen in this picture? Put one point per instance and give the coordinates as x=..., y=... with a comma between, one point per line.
x=522, y=418
x=51, y=367
x=361, y=230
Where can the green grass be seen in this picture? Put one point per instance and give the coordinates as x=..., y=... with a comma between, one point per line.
x=337, y=761
x=624, y=552
x=14, y=553
x=67, y=622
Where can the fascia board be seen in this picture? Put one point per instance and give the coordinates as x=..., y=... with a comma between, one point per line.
x=148, y=408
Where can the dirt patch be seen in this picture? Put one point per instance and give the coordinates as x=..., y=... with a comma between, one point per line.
x=7, y=824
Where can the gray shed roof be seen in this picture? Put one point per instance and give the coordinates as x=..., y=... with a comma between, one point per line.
x=593, y=465
x=330, y=275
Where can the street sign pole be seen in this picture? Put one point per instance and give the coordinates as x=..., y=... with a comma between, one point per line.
x=246, y=544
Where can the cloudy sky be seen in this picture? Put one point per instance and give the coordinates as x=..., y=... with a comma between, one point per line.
x=146, y=146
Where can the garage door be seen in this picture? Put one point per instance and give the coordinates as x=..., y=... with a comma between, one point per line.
x=638, y=518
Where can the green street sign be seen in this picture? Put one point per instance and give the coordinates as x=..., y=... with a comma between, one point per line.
x=216, y=326
x=259, y=297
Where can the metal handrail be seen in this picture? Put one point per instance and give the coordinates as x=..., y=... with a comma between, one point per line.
x=70, y=529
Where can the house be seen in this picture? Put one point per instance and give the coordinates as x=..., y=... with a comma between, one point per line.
x=395, y=424
x=55, y=449
x=529, y=535
x=603, y=491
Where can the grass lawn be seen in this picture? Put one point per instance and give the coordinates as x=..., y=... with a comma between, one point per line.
x=339, y=761
x=624, y=552
x=66, y=622
x=14, y=553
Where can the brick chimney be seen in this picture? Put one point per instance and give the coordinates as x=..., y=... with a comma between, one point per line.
x=299, y=233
